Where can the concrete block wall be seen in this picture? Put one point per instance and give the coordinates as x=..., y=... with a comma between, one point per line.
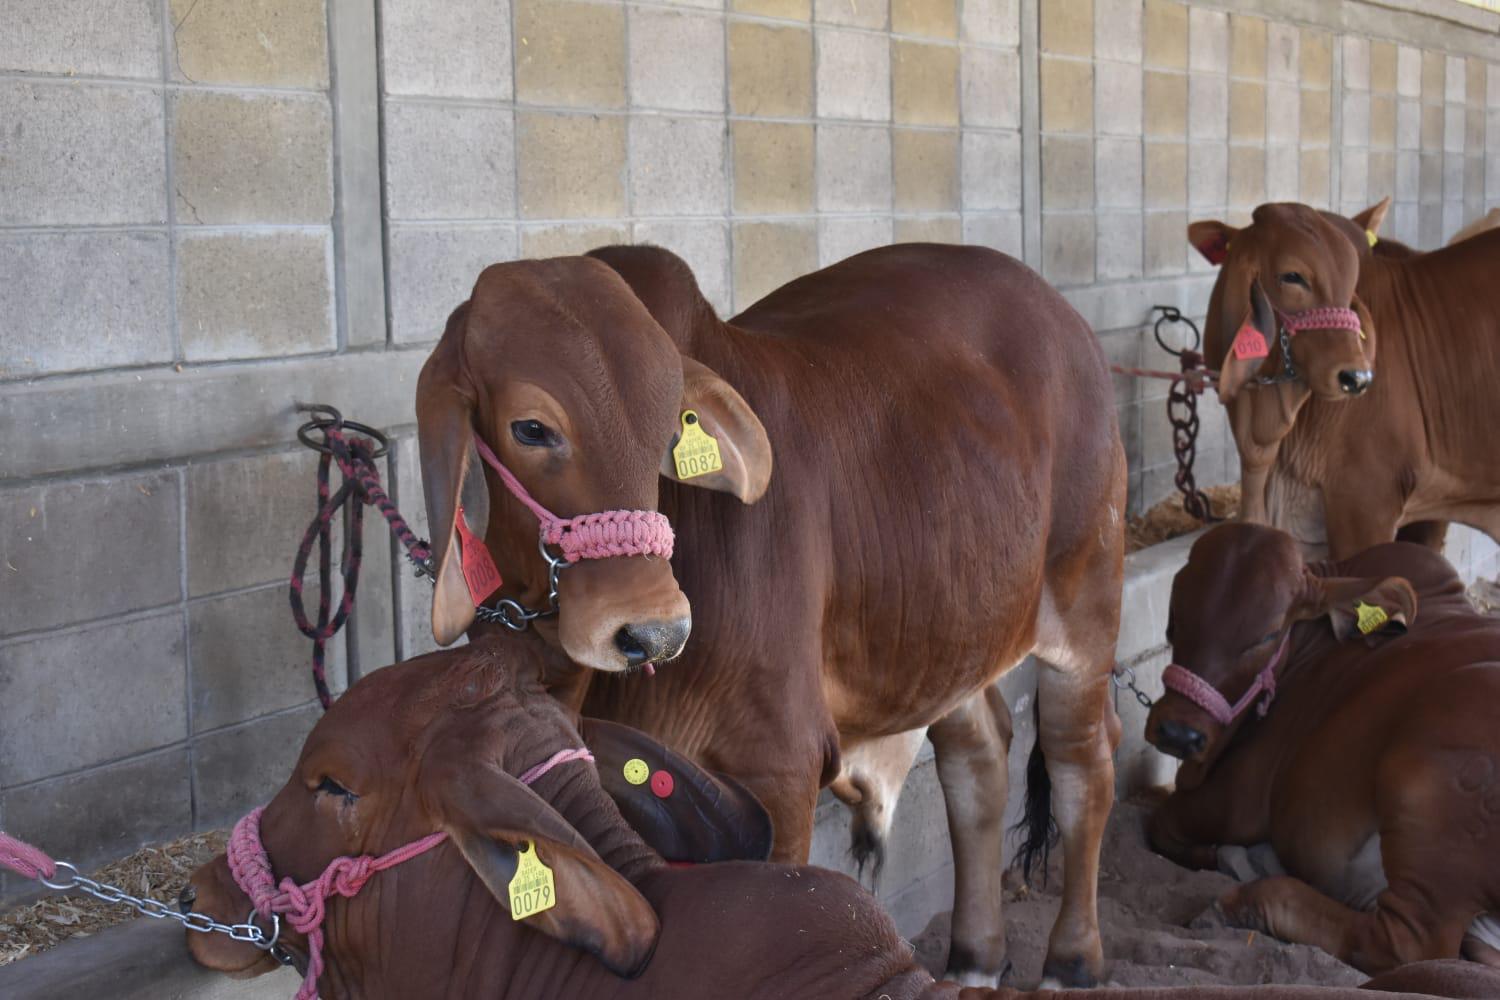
x=211, y=209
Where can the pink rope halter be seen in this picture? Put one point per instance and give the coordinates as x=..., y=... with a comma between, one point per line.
x=305, y=905
x=590, y=536
x=1322, y=318
x=1207, y=697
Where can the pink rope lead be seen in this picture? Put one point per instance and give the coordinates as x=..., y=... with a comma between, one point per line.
x=1207, y=697
x=305, y=905
x=590, y=536
x=25, y=860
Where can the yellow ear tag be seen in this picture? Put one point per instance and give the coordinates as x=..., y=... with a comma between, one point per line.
x=532, y=890
x=636, y=771
x=1370, y=235
x=696, y=453
x=1370, y=617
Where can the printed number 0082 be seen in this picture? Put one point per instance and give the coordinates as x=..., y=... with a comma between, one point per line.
x=697, y=465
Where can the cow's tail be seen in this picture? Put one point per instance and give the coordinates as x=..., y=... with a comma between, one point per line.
x=1037, y=827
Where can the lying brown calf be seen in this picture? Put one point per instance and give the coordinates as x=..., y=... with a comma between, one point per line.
x=436, y=745
x=1375, y=774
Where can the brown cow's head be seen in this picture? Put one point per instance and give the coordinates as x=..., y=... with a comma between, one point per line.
x=567, y=377
x=1290, y=259
x=434, y=744
x=1243, y=588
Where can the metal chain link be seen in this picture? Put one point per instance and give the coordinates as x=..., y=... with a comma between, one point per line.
x=508, y=612
x=1124, y=680
x=248, y=932
x=1288, y=371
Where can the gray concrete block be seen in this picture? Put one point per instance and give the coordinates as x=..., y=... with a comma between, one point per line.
x=1068, y=173
x=1356, y=63
x=1208, y=174
x=1166, y=243
x=82, y=37
x=1408, y=71
x=239, y=158
x=370, y=634
x=676, y=60
x=1117, y=30
x=1068, y=249
x=433, y=269
x=1356, y=118
x=704, y=244
x=246, y=516
x=991, y=22
x=1453, y=177
x=75, y=699
x=235, y=770
x=1408, y=125
x=991, y=88
x=1208, y=106
x=1118, y=247
x=1431, y=178
x=413, y=594
x=103, y=814
x=1430, y=229
x=79, y=551
x=854, y=168
x=250, y=295
x=996, y=230
x=1454, y=126
x=1208, y=40
x=1405, y=226
x=1281, y=173
x=1283, y=52
x=839, y=238
x=1283, y=113
x=1453, y=219
x=853, y=75
x=1117, y=172
x=449, y=161
x=1456, y=80
x=246, y=657
x=991, y=171
x=678, y=166
x=446, y=48
x=74, y=301
x=81, y=154
x=1492, y=86
x=1117, y=98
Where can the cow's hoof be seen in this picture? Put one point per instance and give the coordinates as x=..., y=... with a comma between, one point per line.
x=1239, y=908
x=1068, y=973
x=970, y=976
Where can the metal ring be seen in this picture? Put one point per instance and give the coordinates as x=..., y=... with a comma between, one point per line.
x=1174, y=315
x=333, y=418
x=275, y=929
x=72, y=882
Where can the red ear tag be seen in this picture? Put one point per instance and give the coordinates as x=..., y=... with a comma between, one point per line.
x=1249, y=343
x=662, y=784
x=479, y=569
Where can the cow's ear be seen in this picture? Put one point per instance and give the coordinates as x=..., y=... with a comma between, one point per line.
x=1211, y=238
x=1355, y=606
x=735, y=456
x=1371, y=219
x=1366, y=331
x=534, y=863
x=684, y=812
x=1253, y=344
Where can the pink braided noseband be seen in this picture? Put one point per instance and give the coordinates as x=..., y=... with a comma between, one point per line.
x=305, y=905
x=1322, y=318
x=590, y=536
x=1207, y=697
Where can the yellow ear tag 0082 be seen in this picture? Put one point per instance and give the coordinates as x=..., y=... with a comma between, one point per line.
x=533, y=889
x=696, y=453
x=1370, y=617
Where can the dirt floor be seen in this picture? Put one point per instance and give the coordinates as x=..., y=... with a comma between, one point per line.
x=1159, y=924
x=1168, y=520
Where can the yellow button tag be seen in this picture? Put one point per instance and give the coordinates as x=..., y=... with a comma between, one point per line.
x=637, y=771
x=697, y=453
x=1370, y=617
x=532, y=890
x=1370, y=235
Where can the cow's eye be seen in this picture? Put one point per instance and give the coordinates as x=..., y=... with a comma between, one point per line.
x=1293, y=278
x=532, y=433
x=331, y=787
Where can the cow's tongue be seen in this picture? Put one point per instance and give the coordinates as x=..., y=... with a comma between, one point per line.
x=650, y=668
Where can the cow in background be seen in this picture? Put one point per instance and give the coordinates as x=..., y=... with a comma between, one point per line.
x=1338, y=445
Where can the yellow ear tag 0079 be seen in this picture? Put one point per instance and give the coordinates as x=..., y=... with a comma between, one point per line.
x=533, y=889
x=1370, y=617
x=696, y=453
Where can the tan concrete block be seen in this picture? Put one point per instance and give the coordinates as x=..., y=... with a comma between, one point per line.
x=790, y=10
x=1383, y=67
x=1166, y=34
x=924, y=166
x=769, y=254
x=1247, y=176
x=1434, y=76
x=1166, y=243
x=279, y=43
x=1166, y=174
x=1475, y=73
x=1068, y=249
x=1317, y=109
x=924, y=83
x=1247, y=112
x=253, y=295
x=1382, y=121
x=570, y=166
x=1067, y=173
x=929, y=18
x=1166, y=104
x=770, y=70
x=1432, y=127
x=1067, y=89
x=570, y=54
x=569, y=239
x=1067, y=27
x=929, y=229
x=1247, y=46
x=1317, y=58
x=773, y=168
x=1314, y=179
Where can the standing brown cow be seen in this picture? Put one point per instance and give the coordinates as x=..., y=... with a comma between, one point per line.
x=947, y=499
x=1340, y=444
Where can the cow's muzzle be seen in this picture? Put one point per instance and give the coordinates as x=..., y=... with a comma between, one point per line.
x=1179, y=739
x=652, y=642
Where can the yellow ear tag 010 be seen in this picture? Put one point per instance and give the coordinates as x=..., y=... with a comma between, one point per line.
x=533, y=889
x=696, y=453
x=1369, y=617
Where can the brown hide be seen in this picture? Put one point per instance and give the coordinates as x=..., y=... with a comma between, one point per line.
x=947, y=497
x=1389, y=735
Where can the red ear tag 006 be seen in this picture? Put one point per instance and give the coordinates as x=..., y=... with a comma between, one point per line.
x=1249, y=343
x=480, y=572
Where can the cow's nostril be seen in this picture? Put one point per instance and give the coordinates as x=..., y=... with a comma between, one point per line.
x=1180, y=740
x=627, y=643
x=652, y=642
x=1355, y=381
x=186, y=898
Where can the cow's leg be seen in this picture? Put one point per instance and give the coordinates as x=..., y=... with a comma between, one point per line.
x=870, y=784
x=972, y=746
x=1191, y=824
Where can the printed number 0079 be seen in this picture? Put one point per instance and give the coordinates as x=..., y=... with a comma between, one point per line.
x=531, y=899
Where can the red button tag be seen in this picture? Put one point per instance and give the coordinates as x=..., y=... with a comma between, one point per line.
x=1249, y=343
x=662, y=784
x=479, y=569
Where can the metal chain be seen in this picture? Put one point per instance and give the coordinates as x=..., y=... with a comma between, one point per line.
x=1182, y=411
x=249, y=932
x=1124, y=680
x=1288, y=371
x=508, y=612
